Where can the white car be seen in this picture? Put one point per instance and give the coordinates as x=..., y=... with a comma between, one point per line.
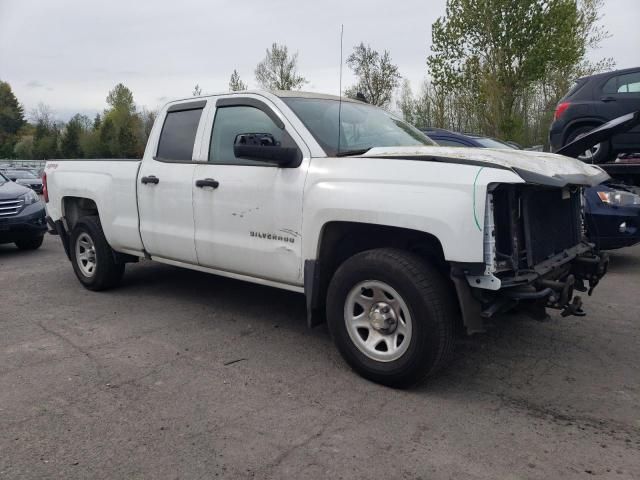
x=393, y=240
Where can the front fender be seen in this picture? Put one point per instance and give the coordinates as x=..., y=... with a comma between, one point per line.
x=444, y=200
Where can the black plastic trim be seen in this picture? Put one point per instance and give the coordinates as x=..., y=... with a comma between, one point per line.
x=63, y=234
x=312, y=293
x=251, y=102
x=181, y=107
x=467, y=268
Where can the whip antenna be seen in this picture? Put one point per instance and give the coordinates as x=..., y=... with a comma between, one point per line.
x=340, y=100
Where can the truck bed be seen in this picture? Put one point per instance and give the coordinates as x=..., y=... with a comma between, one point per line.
x=110, y=184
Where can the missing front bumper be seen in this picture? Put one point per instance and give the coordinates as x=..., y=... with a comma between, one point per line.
x=556, y=287
x=551, y=284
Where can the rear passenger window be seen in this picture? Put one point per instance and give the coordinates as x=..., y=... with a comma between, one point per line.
x=629, y=83
x=178, y=135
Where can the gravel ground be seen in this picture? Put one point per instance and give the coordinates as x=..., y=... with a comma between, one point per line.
x=179, y=374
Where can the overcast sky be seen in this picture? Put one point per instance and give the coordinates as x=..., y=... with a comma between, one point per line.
x=69, y=53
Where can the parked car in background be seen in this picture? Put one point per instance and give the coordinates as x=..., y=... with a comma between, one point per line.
x=22, y=215
x=612, y=216
x=595, y=100
x=449, y=138
x=24, y=177
x=612, y=213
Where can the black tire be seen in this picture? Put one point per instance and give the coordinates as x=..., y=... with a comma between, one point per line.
x=429, y=299
x=107, y=272
x=603, y=153
x=33, y=243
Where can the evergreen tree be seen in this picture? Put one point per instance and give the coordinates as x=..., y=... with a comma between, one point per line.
x=11, y=119
x=107, y=148
x=70, y=142
x=235, y=83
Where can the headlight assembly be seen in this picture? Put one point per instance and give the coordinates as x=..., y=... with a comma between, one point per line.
x=619, y=198
x=30, y=197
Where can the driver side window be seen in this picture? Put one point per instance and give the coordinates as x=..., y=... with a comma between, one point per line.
x=234, y=120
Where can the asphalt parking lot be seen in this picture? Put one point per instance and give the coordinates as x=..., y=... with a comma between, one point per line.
x=179, y=374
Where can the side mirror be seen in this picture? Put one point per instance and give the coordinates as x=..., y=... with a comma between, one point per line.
x=263, y=147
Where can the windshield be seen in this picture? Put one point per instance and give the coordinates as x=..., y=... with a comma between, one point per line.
x=362, y=126
x=3, y=179
x=21, y=174
x=487, y=142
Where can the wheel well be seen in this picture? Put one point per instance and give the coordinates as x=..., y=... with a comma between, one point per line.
x=579, y=124
x=341, y=240
x=74, y=208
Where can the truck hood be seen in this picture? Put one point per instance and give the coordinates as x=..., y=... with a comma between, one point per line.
x=534, y=167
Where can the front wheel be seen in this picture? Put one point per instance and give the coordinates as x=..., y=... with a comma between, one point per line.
x=92, y=257
x=391, y=315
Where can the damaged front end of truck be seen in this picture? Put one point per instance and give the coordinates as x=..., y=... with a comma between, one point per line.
x=536, y=255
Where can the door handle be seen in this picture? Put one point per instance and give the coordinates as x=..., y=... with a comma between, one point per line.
x=150, y=179
x=608, y=99
x=207, y=182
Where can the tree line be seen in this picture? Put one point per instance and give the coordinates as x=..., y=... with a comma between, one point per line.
x=121, y=130
x=497, y=67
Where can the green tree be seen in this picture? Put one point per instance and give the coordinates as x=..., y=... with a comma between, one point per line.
x=24, y=147
x=197, y=91
x=121, y=98
x=107, y=139
x=377, y=76
x=423, y=107
x=406, y=103
x=127, y=138
x=46, y=134
x=11, y=119
x=121, y=128
x=493, y=53
x=279, y=70
x=70, y=142
x=235, y=83
x=147, y=118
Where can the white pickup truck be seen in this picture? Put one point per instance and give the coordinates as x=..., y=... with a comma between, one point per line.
x=396, y=242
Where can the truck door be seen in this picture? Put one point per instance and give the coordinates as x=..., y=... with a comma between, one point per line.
x=248, y=213
x=165, y=181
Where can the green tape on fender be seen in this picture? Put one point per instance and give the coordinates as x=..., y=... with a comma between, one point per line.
x=475, y=216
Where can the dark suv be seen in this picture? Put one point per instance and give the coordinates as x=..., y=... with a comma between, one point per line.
x=592, y=101
x=22, y=215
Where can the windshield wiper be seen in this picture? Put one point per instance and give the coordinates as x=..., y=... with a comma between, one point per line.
x=348, y=153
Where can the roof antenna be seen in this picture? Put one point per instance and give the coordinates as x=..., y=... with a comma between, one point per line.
x=340, y=101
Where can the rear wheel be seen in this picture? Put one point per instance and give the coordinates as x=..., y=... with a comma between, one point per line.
x=391, y=315
x=599, y=153
x=30, y=243
x=91, y=256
